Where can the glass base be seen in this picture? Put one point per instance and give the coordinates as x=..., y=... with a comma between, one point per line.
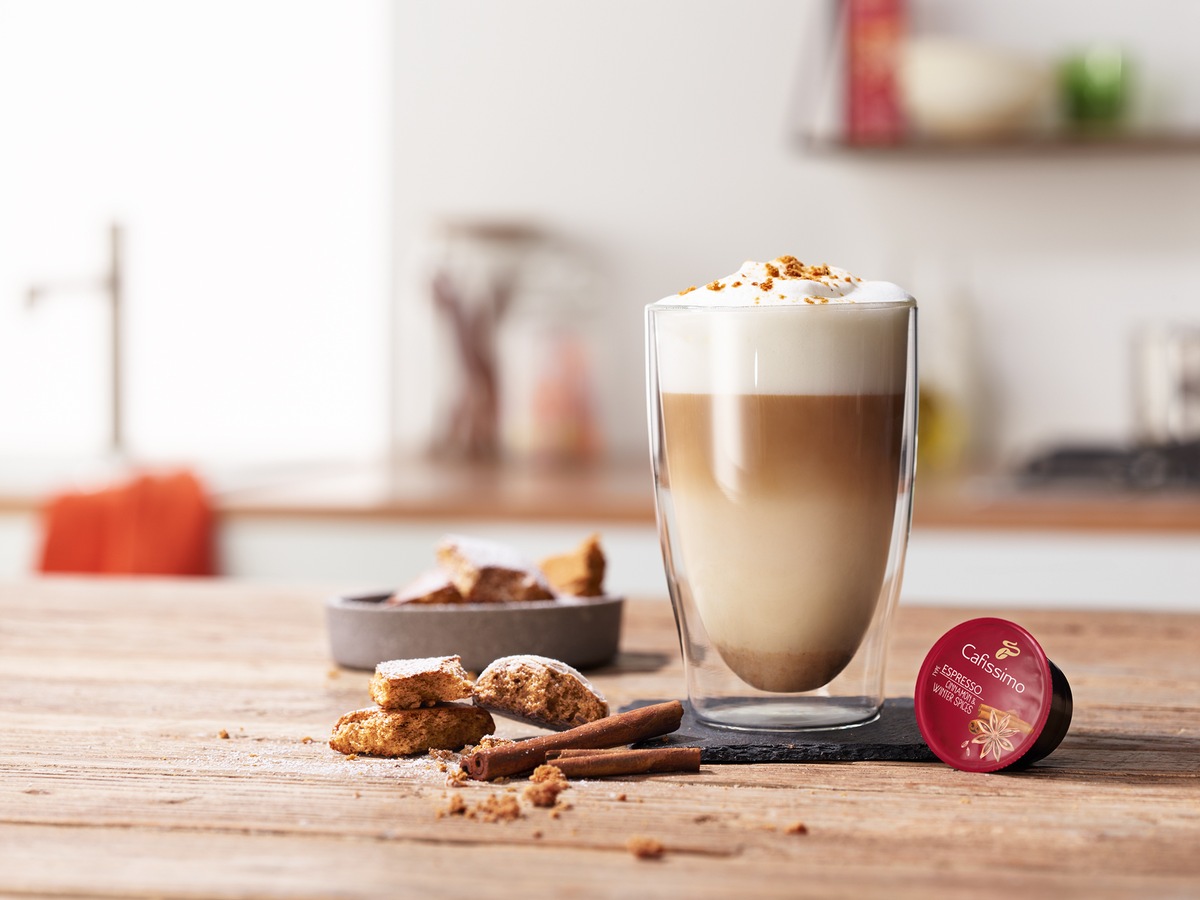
x=787, y=713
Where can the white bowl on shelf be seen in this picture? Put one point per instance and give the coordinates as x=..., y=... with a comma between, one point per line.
x=953, y=89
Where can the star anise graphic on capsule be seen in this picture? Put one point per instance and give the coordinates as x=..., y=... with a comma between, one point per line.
x=993, y=734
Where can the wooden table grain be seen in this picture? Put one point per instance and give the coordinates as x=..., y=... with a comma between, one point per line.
x=116, y=778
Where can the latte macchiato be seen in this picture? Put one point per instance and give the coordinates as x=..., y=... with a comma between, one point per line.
x=779, y=415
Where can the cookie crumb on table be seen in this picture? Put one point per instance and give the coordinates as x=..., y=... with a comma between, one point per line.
x=493, y=808
x=545, y=795
x=547, y=773
x=546, y=783
x=645, y=847
x=496, y=808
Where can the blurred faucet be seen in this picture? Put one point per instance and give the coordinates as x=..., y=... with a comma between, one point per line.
x=111, y=285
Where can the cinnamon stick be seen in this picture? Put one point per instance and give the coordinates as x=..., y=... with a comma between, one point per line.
x=613, y=731
x=602, y=763
x=575, y=752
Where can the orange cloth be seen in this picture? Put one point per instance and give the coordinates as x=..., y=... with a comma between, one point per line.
x=151, y=525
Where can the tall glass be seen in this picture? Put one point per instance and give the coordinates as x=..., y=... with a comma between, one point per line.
x=782, y=441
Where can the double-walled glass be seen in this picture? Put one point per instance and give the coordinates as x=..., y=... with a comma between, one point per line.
x=782, y=441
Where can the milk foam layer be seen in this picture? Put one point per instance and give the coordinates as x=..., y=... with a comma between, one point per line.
x=855, y=343
x=786, y=281
x=813, y=350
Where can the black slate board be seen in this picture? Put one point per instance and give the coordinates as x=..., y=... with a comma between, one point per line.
x=894, y=736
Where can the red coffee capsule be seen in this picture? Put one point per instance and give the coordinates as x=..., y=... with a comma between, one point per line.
x=987, y=698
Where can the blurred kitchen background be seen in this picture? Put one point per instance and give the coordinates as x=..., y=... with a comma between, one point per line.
x=376, y=270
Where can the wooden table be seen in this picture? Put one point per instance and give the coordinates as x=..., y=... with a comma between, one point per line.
x=116, y=778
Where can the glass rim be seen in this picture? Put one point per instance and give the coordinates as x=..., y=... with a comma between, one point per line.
x=656, y=308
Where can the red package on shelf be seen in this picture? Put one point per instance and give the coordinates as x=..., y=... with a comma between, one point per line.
x=874, y=32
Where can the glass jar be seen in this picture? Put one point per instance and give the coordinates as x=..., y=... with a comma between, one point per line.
x=512, y=326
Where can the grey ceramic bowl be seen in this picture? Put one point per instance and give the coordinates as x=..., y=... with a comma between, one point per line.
x=582, y=632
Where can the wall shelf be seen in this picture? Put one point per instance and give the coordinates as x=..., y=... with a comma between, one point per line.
x=1118, y=144
x=818, y=124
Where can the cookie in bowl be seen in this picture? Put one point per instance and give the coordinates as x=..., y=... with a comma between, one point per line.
x=490, y=572
x=579, y=573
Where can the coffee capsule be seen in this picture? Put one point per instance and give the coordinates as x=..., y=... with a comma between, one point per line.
x=987, y=698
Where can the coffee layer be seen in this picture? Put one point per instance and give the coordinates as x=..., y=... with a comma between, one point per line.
x=785, y=672
x=783, y=513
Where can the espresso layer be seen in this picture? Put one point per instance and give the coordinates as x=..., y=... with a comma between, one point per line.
x=783, y=509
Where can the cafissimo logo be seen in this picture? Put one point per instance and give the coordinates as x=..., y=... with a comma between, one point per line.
x=984, y=661
x=1008, y=649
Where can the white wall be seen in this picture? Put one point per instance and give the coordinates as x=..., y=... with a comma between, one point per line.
x=244, y=147
x=957, y=568
x=657, y=135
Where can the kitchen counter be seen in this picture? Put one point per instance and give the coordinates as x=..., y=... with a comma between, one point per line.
x=621, y=493
x=977, y=539
x=996, y=501
x=167, y=739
